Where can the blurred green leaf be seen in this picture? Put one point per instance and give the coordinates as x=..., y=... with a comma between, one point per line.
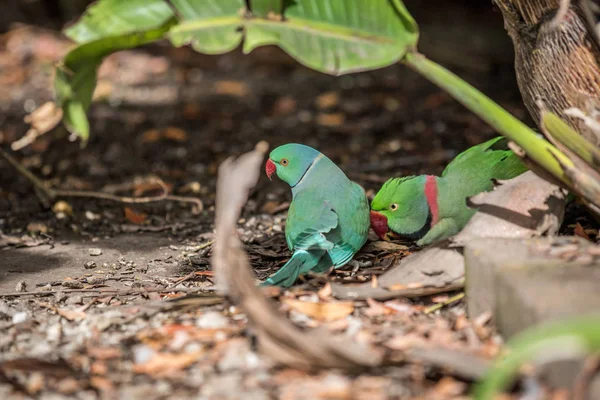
x=117, y=17
x=573, y=337
x=107, y=27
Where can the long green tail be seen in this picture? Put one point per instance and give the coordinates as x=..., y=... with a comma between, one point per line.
x=301, y=262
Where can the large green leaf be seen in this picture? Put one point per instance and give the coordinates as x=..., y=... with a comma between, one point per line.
x=338, y=36
x=334, y=36
x=108, y=26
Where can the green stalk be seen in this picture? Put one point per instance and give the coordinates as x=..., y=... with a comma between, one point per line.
x=538, y=149
x=578, y=336
x=559, y=130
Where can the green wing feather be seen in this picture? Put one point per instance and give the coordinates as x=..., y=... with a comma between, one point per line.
x=355, y=217
x=489, y=160
x=309, y=219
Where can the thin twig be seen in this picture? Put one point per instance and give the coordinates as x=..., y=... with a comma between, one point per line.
x=101, y=291
x=451, y=300
x=52, y=194
x=585, y=376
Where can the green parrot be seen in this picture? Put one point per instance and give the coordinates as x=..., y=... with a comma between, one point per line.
x=328, y=218
x=429, y=208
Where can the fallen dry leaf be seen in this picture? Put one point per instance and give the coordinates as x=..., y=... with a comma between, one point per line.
x=151, y=136
x=102, y=384
x=103, y=90
x=376, y=309
x=324, y=312
x=104, y=353
x=327, y=100
x=331, y=120
x=135, y=217
x=43, y=119
x=231, y=88
x=62, y=207
x=404, y=342
x=37, y=227
x=175, y=134
x=170, y=133
x=448, y=387
x=325, y=292
x=164, y=364
x=70, y=315
x=579, y=231
x=284, y=105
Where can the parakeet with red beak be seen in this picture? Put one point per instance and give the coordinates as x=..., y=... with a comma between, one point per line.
x=429, y=208
x=328, y=218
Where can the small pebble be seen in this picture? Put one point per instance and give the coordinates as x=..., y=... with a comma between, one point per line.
x=95, y=251
x=72, y=284
x=212, y=320
x=90, y=265
x=20, y=317
x=21, y=286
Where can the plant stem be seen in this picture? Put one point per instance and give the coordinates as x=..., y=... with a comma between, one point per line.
x=559, y=130
x=451, y=300
x=538, y=149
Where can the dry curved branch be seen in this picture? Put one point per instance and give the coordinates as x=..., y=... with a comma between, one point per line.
x=277, y=336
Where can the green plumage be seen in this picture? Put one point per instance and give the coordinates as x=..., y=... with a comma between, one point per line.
x=328, y=218
x=418, y=208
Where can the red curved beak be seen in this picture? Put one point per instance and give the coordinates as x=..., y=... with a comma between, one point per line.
x=379, y=223
x=270, y=168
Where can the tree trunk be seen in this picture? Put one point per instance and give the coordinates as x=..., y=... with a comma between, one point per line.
x=557, y=67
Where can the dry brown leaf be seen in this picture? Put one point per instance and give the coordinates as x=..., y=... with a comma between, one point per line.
x=397, y=286
x=405, y=342
x=135, y=217
x=448, y=387
x=151, y=136
x=104, y=89
x=62, y=207
x=163, y=364
x=387, y=246
x=325, y=292
x=104, y=353
x=70, y=315
x=324, y=312
x=327, y=100
x=376, y=309
x=102, y=384
x=37, y=227
x=43, y=119
x=374, y=283
x=579, y=231
x=232, y=88
x=284, y=105
x=175, y=134
x=331, y=120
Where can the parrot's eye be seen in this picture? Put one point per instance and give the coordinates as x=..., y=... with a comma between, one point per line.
x=394, y=207
x=284, y=162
